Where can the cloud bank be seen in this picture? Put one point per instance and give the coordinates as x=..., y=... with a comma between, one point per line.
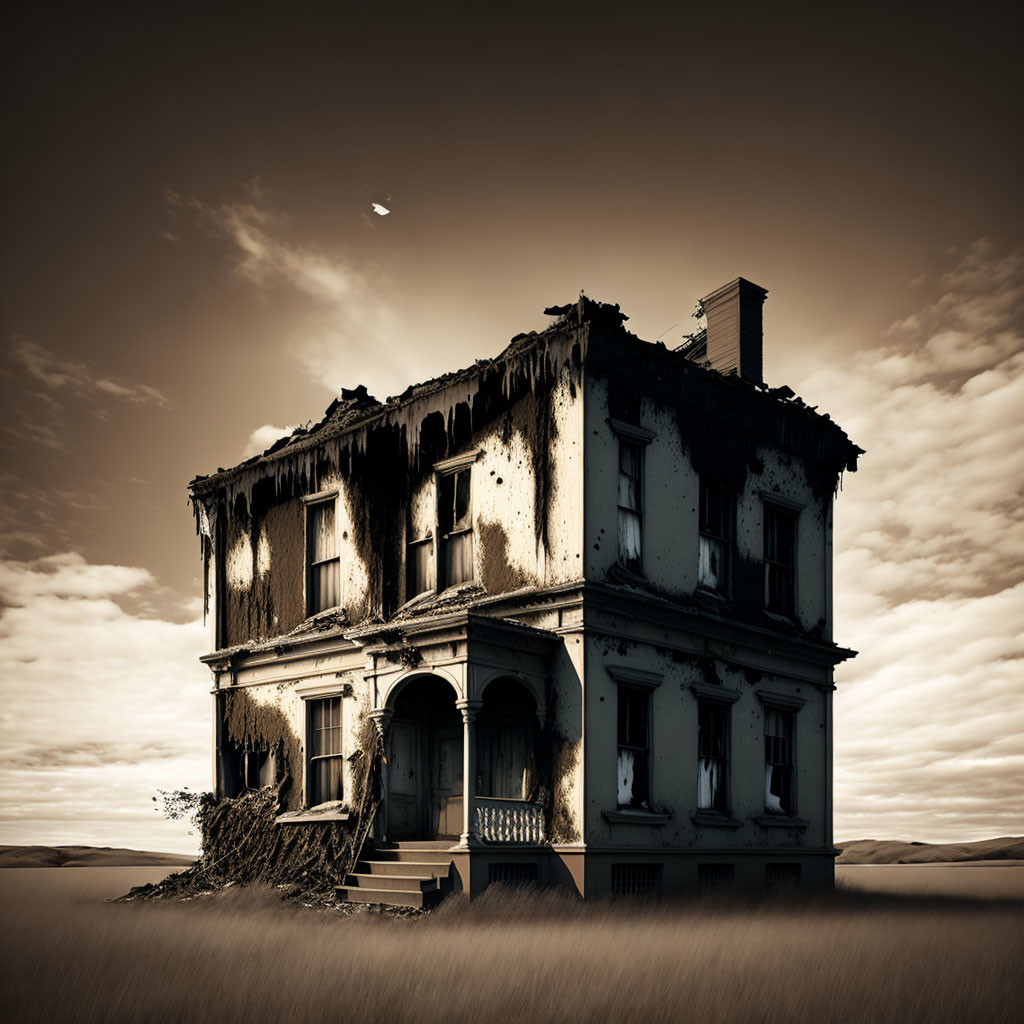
x=101, y=707
x=929, y=730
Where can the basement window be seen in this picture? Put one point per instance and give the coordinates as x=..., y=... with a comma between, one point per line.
x=636, y=879
x=634, y=778
x=455, y=527
x=715, y=526
x=712, y=755
x=716, y=876
x=325, y=757
x=778, y=760
x=630, y=504
x=323, y=589
x=779, y=559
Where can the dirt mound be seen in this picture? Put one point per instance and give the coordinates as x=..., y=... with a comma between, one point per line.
x=85, y=857
x=894, y=851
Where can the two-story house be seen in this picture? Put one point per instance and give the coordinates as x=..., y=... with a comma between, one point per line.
x=583, y=590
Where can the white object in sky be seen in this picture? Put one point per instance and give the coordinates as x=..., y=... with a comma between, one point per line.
x=381, y=211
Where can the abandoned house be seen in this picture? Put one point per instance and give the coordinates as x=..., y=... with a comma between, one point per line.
x=578, y=597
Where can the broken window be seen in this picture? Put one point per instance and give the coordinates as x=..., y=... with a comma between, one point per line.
x=324, y=750
x=779, y=559
x=249, y=767
x=634, y=747
x=419, y=564
x=715, y=526
x=630, y=504
x=324, y=575
x=778, y=760
x=712, y=755
x=455, y=525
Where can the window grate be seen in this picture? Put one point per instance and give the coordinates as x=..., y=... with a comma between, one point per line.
x=716, y=876
x=782, y=876
x=636, y=879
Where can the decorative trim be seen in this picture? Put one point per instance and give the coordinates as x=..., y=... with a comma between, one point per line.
x=656, y=818
x=714, y=819
x=722, y=694
x=458, y=461
x=771, y=498
x=314, y=499
x=781, y=700
x=333, y=688
x=780, y=821
x=635, y=676
x=631, y=432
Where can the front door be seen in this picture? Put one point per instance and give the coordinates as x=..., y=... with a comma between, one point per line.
x=446, y=783
x=405, y=782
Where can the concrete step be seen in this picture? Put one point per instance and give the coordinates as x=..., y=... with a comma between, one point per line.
x=421, y=844
x=390, y=897
x=412, y=883
x=435, y=869
x=421, y=854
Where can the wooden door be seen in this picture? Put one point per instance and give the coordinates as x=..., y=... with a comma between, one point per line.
x=446, y=783
x=405, y=782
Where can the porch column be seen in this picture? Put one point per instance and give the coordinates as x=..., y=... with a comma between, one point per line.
x=470, y=709
x=381, y=718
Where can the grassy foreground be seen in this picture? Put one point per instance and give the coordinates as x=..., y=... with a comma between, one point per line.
x=245, y=956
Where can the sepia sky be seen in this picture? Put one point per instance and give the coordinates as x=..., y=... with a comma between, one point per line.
x=192, y=264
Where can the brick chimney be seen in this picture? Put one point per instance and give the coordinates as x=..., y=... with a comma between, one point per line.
x=735, y=339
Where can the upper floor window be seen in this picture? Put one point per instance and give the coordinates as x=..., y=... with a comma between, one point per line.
x=323, y=589
x=631, y=458
x=455, y=527
x=779, y=559
x=778, y=760
x=712, y=755
x=715, y=526
x=324, y=743
x=634, y=773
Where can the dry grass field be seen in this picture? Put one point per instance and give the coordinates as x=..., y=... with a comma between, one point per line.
x=245, y=956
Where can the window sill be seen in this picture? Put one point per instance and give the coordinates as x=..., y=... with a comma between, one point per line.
x=628, y=817
x=322, y=812
x=780, y=821
x=786, y=620
x=715, y=819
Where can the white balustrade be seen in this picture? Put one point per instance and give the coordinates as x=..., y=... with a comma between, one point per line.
x=509, y=821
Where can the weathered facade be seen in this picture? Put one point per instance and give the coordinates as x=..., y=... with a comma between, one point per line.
x=582, y=590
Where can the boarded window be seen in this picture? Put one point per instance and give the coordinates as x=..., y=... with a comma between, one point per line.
x=324, y=584
x=716, y=876
x=630, y=504
x=778, y=760
x=712, y=755
x=715, y=524
x=636, y=879
x=455, y=522
x=634, y=747
x=779, y=559
x=324, y=750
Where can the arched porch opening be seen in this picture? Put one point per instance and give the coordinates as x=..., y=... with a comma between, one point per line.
x=507, y=733
x=425, y=761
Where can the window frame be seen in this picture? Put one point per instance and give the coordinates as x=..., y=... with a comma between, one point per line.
x=309, y=788
x=452, y=468
x=310, y=503
x=645, y=693
x=724, y=697
x=789, y=511
x=789, y=704
x=637, y=437
x=727, y=540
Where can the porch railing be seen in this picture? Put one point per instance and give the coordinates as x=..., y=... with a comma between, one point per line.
x=500, y=820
